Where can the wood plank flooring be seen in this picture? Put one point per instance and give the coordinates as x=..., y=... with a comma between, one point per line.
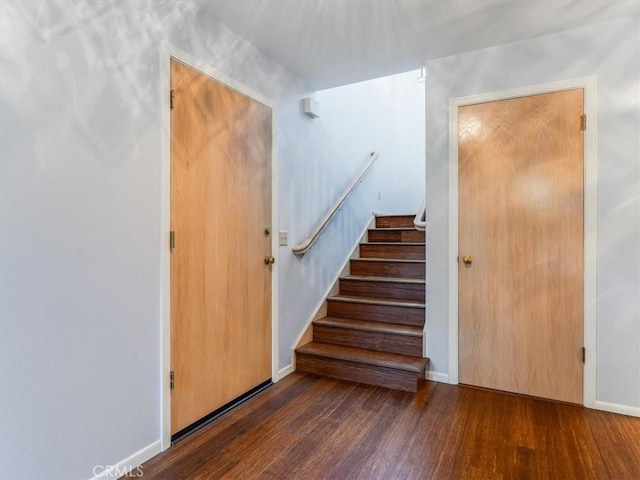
x=307, y=427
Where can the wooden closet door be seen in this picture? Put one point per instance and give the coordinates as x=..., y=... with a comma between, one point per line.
x=521, y=219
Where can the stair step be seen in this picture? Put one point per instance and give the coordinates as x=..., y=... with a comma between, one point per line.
x=391, y=370
x=365, y=326
x=383, y=287
x=408, y=363
x=373, y=331
x=405, y=251
x=376, y=301
x=396, y=235
x=388, y=267
x=394, y=221
x=384, y=337
x=406, y=312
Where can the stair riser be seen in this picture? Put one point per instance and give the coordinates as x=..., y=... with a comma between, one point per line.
x=360, y=373
x=396, y=236
x=407, y=252
x=397, y=291
x=388, y=269
x=376, y=313
x=395, y=221
x=382, y=342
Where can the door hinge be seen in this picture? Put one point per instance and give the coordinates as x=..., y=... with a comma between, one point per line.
x=583, y=121
x=584, y=355
x=172, y=380
x=172, y=98
x=172, y=240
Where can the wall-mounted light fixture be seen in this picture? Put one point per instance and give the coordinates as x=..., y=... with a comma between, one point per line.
x=311, y=107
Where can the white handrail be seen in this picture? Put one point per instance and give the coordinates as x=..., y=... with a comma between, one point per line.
x=420, y=222
x=305, y=246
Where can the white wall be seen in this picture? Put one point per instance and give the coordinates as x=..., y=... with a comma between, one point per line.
x=387, y=115
x=611, y=51
x=80, y=217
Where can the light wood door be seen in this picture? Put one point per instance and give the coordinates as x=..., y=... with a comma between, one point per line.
x=220, y=206
x=521, y=219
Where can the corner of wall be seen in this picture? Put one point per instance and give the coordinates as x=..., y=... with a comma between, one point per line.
x=129, y=466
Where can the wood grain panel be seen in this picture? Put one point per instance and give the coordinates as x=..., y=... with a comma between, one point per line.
x=408, y=363
x=353, y=333
x=389, y=312
x=394, y=221
x=397, y=289
x=388, y=268
x=220, y=205
x=410, y=251
x=396, y=235
x=367, y=374
x=521, y=217
x=378, y=341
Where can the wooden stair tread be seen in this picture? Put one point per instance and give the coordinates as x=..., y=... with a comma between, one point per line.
x=392, y=260
x=395, y=229
x=368, y=278
x=396, y=361
x=394, y=244
x=364, y=325
x=376, y=301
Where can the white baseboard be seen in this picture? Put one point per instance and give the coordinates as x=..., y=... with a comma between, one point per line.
x=617, y=408
x=130, y=465
x=283, y=372
x=437, y=377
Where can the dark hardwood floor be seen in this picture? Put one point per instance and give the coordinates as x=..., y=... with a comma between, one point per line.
x=307, y=427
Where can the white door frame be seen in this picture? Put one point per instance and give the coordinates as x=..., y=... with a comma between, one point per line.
x=590, y=211
x=167, y=52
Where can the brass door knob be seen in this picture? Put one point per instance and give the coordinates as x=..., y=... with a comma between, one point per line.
x=269, y=260
x=467, y=259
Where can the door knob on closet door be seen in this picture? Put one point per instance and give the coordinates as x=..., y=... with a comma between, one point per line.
x=269, y=260
x=467, y=259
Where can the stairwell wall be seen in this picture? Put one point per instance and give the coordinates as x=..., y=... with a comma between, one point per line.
x=611, y=51
x=384, y=115
x=80, y=204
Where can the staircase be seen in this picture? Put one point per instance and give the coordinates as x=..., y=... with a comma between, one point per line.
x=373, y=329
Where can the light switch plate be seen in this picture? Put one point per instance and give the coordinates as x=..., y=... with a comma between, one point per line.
x=283, y=238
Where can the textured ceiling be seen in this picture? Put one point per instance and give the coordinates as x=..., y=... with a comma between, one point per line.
x=332, y=42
